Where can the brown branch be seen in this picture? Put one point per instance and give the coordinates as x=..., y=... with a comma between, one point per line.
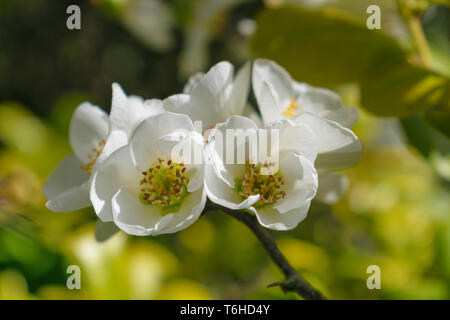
x=293, y=281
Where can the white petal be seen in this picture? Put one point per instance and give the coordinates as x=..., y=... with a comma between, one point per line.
x=154, y=105
x=345, y=116
x=299, y=88
x=139, y=219
x=153, y=138
x=105, y=230
x=268, y=104
x=271, y=218
x=137, y=112
x=319, y=100
x=67, y=187
x=324, y=103
x=117, y=171
x=219, y=192
x=238, y=96
x=191, y=209
x=132, y=216
x=192, y=81
x=278, y=78
x=115, y=140
x=213, y=88
x=297, y=137
x=197, y=110
x=331, y=187
x=301, y=183
x=223, y=149
x=140, y=110
x=119, y=109
x=207, y=98
x=89, y=125
x=338, y=146
x=128, y=112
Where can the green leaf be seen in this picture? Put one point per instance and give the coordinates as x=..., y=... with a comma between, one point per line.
x=424, y=138
x=328, y=47
x=439, y=118
x=401, y=90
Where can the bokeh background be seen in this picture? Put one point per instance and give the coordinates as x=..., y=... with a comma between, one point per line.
x=396, y=214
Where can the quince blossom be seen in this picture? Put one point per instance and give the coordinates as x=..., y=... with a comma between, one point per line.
x=280, y=97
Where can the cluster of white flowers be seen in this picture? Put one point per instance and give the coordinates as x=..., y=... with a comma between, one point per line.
x=124, y=166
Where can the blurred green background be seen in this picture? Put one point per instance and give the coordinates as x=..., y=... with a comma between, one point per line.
x=396, y=213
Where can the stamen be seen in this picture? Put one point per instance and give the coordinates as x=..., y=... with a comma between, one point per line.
x=291, y=110
x=267, y=186
x=164, y=185
x=96, y=152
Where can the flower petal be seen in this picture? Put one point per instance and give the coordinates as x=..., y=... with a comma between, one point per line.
x=301, y=183
x=318, y=100
x=207, y=97
x=89, y=126
x=331, y=187
x=137, y=112
x=221, y=193
x=192, y=81
x=223, y=149
x=196, y=110
x=132, y=216
x=191, y=209
x=324, y=103
x=136, y=218
x=67, y=187
x=152, y=139
x=128, y=112
x=238, y=97
x=338, y=146
x=271, y=218
x=345, y=116
x=268, y=104
x=278, y=78
x=297, y=137
x=214, y=87
x=117, y=171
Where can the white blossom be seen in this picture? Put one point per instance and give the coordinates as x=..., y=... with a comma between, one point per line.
x=280, y=97
x=281, y=196
x=142, y=188
x=93, y=135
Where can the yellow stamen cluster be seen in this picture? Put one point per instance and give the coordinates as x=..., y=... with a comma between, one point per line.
x=96, y=152
x=267, y=186
x=164, y=184
x=291, y=110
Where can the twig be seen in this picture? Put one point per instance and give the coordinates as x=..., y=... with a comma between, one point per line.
x=412, y=16
x=293, y=281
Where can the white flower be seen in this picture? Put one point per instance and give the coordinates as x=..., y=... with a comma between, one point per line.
x=126, y=114
x=279, y=200
x=280, y=97
x=212, y=97
x=67, y=188
x=295, y=97
x=93, y=136
x=142, y=188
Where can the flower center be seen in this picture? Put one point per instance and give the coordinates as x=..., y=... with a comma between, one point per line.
x=165, y=185
x=291, y=110
x=267, y=186
x=96, y=152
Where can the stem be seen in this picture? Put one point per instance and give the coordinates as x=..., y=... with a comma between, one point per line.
x=421, y=41
x=415, y=27
x=293, y=281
